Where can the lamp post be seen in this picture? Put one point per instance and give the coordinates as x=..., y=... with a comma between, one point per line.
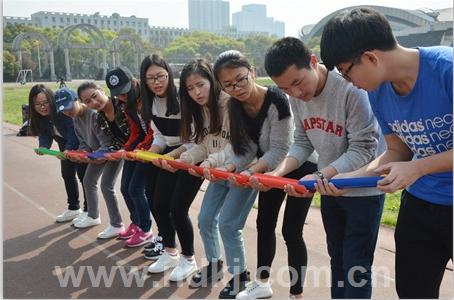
x=39, y=62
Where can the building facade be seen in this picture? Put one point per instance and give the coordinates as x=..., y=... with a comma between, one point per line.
x=115, y=22
x=412, y=28
x=252, y=18
x=159, y=37
x=209, y=15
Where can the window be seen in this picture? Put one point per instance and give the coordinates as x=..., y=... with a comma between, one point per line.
x=53, y=19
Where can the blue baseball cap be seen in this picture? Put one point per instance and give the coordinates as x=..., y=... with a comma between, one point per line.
x=64, y=99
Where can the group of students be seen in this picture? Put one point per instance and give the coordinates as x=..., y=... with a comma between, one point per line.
x=386, y=110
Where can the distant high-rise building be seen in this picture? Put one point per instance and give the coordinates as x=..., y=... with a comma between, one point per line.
x=209, y=15
x=252, y=17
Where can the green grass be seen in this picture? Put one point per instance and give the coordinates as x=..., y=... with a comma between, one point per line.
x=14, y=95
x=13, y=98
x=390, y=209
x=264, y=81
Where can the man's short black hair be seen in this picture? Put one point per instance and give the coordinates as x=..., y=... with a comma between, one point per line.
x=284, y=53
x=350, y=33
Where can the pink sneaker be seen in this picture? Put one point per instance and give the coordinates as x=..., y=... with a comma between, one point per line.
x=129, y=232
x=139, y=238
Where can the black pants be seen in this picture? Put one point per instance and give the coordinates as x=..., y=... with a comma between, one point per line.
x=69, y=170
x=296, y=210
x=173, y=195
x=151, y=174
x=423, y=247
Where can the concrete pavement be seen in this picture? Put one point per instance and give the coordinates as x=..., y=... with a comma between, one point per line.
x=40, y=256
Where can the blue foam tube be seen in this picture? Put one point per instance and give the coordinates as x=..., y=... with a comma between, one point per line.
x=344, y=183
x=98, y=154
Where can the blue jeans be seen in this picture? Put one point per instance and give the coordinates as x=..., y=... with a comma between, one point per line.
x=224, y=210
x=133, y=181
x=351, y=225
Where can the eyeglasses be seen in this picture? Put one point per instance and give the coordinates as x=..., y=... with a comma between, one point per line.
x=158, y=78
x=352, y=64
x=345, y=74
x=42, y=104
x=241, y=83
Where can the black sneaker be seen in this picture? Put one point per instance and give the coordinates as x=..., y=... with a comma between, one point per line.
x=154, y=253
x=150, y=246
x=207, y=275
x=235, y=285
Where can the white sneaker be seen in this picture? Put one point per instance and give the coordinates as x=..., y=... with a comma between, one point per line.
x=256, y=290
x=110, y=232
x=165, y=262
x=87, y=222
x=184, y=269
x=68, y=215
x=82, y=216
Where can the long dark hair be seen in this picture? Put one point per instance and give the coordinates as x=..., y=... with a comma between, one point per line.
x=133, y=97
x=173, y=107
x=35, y=117
x=87, y=85
x=191, y=110
x=233, y=59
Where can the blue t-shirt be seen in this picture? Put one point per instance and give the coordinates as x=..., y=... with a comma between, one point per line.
x=422, y=119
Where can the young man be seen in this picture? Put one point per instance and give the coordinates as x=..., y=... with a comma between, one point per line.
x=410, y=91
x=333, y=118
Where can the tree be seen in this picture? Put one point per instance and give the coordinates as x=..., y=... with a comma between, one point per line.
x=256, y=47
x=199, y=45
x=314, y=45
x=10, y=66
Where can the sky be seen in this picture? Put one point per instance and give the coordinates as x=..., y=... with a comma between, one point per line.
x=174, y=13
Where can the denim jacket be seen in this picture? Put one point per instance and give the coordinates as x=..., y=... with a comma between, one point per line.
x=65, y=127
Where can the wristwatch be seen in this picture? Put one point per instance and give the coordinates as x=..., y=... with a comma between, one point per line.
x=319, y=175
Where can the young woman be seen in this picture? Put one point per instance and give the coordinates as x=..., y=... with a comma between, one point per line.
x=50, y=126
x=203, y=120
x=93, y=138
x=260, y=135
x=174, y=192
x=125, y=89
